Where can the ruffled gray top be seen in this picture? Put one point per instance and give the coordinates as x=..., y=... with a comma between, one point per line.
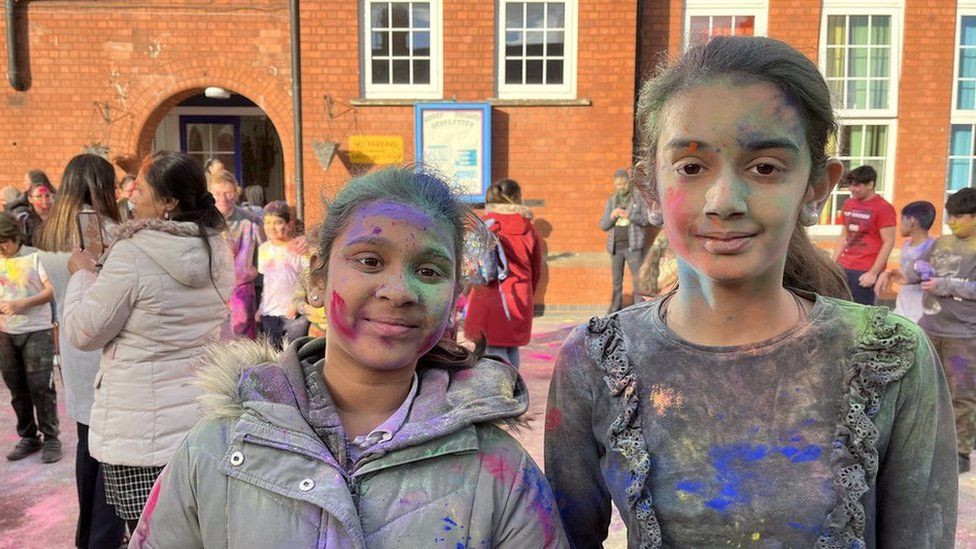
x=837, y=433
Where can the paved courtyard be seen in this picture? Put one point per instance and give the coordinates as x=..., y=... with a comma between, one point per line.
x=38, y=505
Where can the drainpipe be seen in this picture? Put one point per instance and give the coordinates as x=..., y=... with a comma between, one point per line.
x=296, y=92
x=13, y=67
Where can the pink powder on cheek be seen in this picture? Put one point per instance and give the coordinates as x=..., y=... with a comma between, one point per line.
x=337, y=313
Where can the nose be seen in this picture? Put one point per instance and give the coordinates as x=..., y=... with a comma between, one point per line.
x=396, y=289
x=727, y=196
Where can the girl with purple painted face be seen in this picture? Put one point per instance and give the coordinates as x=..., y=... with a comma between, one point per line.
x=381, y=434
x=752, y=405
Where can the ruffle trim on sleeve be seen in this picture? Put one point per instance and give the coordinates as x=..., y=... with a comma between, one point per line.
x=884, y=353
x=605, y=345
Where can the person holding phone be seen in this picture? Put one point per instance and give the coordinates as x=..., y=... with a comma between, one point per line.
x=158, y=300
x=86, y=196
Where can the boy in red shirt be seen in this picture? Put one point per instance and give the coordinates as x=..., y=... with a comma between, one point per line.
x=867, y=236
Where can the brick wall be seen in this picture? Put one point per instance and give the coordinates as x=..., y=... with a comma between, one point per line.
x=107, y=72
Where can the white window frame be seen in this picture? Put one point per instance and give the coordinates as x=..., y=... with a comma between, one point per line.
x=960, y=116
x=888, y=183
x=432, y=90
x=758, y=9
x=566, y=90
x=894, y=9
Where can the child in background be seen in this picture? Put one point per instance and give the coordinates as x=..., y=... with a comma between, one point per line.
x=947, y=273
x=27, y=344
x=916, y=220
x=281, y=266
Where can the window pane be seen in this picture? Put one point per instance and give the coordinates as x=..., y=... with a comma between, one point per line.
x=961, y=140
x=421, y=71
x=858, y=34
x=721, y=26
x=229, y=161
x=421, y=15
x=554, y=71
x=857, y=62
x=880, y=61
x=835, y=63
x=879, y=94
x=876, y=143
x=534, y=15
x=745, y=25
x=513, y=72
x=967, y=34
x=557, y=15
x=421, y=44
x=513, y=44
x=857, y=94
x=835, y=29
x=381, y=43
x=847, y=135
x=554, y=44
x=401, y=44
x=533, y=43
x=513, y=15
x=881, y=30
x=401, y=14
x=380, y=15
x=966, y=95
x=958, y=176
x=967, y=63
x=381, y=71
x=401, y=71
x=223, y=135
x=879, y=166
x=533, y=71
x=699, y=29
x=836, y=91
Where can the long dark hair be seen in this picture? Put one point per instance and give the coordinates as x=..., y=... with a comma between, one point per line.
x=177, y=176
x=427, y=192
x=87, y=179
x=752, y=59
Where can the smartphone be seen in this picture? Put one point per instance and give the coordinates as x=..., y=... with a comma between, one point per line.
x=90, y=232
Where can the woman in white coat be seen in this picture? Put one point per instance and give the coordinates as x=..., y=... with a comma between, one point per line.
x=159, y=299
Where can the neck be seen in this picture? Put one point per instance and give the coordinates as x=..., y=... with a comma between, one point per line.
x=869, y=195
x=708, y=313
x=279, y=242
x=364, y=398
x=918, y=236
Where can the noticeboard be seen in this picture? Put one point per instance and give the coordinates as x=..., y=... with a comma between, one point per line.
x=455, y=140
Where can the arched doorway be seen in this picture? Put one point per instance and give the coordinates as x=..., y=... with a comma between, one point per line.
x=233, y=130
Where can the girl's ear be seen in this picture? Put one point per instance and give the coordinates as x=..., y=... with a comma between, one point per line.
x=818, y=192
x=316, y=282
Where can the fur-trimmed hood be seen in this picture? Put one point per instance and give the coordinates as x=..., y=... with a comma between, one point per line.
x=176, y=247
x=508, y=209
x=249, y=375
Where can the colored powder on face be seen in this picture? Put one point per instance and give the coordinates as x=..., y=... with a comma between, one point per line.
x=664, y=399
x=377, y=230
x=693, y=147
x=337, y=313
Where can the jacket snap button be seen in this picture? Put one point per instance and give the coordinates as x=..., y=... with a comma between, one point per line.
x=306, y=485
x=236, y=458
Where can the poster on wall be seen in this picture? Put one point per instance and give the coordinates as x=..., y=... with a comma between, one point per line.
x=455, y=140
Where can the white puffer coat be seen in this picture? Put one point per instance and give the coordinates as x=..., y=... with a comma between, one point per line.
x=153, y=307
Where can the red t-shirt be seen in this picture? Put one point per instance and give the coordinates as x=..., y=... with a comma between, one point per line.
x=864, y=221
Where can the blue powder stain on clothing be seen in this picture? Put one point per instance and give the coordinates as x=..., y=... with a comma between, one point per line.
x=728, y=461
x=808, y=422
x=809, y=452
x=690, y=486
x=814, y=528
x=720, y=417
x=719, y=504
x=448, y=524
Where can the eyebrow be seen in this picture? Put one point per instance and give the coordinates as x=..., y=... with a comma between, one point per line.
x=380, y=241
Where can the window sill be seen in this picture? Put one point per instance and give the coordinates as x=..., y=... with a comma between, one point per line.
x=493, y=101
x=497, y=102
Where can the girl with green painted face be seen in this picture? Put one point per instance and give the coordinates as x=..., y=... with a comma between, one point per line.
x=381, y=434
x=752, y=405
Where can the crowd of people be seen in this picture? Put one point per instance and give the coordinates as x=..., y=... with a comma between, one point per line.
x=756, y=395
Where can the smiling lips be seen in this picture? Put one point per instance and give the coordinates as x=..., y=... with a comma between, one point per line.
x=726, y=243
x=389, y=326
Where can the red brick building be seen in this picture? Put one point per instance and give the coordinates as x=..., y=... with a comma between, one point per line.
x=128, y=77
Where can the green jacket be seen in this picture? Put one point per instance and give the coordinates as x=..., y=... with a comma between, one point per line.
x=256, y=473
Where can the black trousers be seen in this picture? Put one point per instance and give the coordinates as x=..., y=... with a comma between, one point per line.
x=633, y=259
x=98, y=525
x=862, y=295
x=27, y=366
